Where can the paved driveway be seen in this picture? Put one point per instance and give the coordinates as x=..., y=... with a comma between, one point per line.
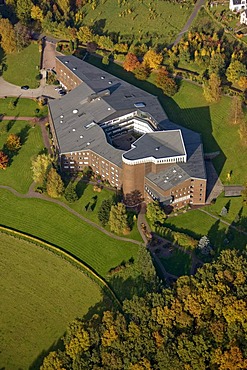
x=49, y=55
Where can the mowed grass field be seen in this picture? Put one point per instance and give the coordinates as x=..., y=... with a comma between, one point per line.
x=23, y=67
x=40, y=295
x=139, y=20
x=54, y=224
x=19, y=175
x=22, y=107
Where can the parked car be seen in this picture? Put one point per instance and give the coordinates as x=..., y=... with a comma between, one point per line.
x=62, y=92
x=25, y=87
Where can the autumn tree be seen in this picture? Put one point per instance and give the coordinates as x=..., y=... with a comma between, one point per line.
x=23, y=36
x=243, y=82
x=141, y=72
x=152, y=59
x=64, y=5
x=3, y=160
x=118, y=219
x=131, y=62
x=40, y=167
x=166, y=83
x=70, y=193
x=155, y=213
x=212, y=89
x=237, y=114
x=217, y=65
x=235, y=70
x=7, y=36
x=13, y=143
x=54, y=184
x=37, y=13
x=23, y=10
x=85, y=34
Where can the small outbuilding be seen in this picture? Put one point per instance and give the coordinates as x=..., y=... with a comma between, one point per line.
x=233, y=190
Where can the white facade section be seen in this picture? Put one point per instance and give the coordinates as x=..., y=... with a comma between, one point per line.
x=177, y=159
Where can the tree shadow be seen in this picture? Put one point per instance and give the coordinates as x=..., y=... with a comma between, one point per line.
x=2, y=61
x=58, y=345
x=11, y=123
x=23, y=134
x=81, y=187
x=98, y=26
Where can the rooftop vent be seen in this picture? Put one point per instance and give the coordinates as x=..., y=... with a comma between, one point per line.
x=108, y=108
x=157, y=148
x=81, y=136
x=75, y=111
x=74, y=68
x=73, y=129
x=140, y=105
x=109, y=82
x=89, y=125
x=180, y=176
x=66, y=62
x=102, y=77
x=88, y=144
x=61, y=116
x=167, y=177
x=61, y=121
x=174, y=171
x=165, y=180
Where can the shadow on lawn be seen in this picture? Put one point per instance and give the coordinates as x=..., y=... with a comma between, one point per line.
x=59, y=345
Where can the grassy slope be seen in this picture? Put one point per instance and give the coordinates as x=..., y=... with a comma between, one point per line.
x=41, y=316
x=163, y=27
x=22, y=68
x=54, y=224
x=18, y=175
x=24, y=107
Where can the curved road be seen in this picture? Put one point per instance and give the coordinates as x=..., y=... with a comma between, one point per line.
x=197, y=7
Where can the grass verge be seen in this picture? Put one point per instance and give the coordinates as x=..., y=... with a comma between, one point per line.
x=21, y=107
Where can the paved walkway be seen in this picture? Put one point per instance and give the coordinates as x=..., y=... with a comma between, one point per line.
x=197, y=7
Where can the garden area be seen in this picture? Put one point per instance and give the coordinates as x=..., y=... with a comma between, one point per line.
x=30, y=324
x=177, y=263
x=22, y=68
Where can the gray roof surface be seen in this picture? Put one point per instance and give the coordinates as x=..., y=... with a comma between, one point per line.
x=168, y=178
x=160, y=144
x=73, y=135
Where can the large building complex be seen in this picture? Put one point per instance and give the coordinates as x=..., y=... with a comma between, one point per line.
x=124, y=135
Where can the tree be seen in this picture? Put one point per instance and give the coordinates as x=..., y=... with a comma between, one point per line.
x=13, y=143
x=212, y=89
x=105, y=60
x=70, y=193
x=64, y=5
x=7, y=35
x=204, y=245
x=237, y=114
x=23, y=10
x=54, y=184
x=40, y=167
x=142, y=72
x=118, y=220
x=85, y=34
x=152, y=59
x=131, y=62
x=37, y=13
x=155, y=213
x=216, y=65
x=23, y=36
x=223, y=211
x=235, y=70
x=166, y=83
x=3, y=160
x=104, y=211
x=243, y=82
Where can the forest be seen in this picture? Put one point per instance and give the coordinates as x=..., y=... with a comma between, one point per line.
x=198, y=323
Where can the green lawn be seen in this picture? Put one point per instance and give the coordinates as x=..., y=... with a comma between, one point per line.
x=22, y=107
x=156, y=19
x=197, y=224
x=40, y=295
x=54, y=224
x=22, y=68
x=89, y=196
x=177, y=264
x=19, y=175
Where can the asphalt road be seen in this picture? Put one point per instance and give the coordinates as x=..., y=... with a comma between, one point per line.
x=197, y=7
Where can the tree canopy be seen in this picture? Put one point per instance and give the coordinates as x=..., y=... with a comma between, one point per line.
x=198, y=324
